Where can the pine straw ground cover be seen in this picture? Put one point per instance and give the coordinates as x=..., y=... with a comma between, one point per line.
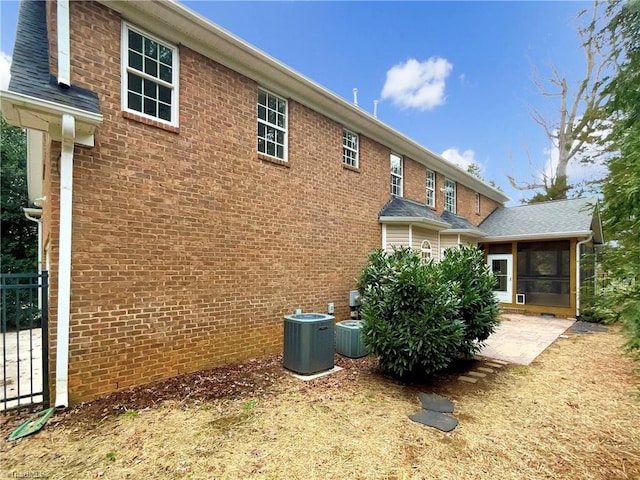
x=572, y=414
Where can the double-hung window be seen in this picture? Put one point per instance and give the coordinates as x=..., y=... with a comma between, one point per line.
x=396, y=175
x=149, y=76
x=272, y=125
x=450, y=195
x=431, y=189
x=349, y=148
x=477, y=203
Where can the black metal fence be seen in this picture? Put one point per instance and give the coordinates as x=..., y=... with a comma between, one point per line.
x=25, y=351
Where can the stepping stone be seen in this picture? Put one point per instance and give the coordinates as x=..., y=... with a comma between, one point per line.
x=493, y=365
x=485, y=370
x=438, y=420
x=499, y=362
x=477, y=374
x=437, y=403
x=462, y=378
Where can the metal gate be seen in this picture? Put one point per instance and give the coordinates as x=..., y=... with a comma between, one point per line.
x=25, y=351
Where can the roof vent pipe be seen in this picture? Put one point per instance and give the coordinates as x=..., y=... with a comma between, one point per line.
x=355, y=97
x=375, y=109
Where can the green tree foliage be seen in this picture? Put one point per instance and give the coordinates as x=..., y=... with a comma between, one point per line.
x=417, y=318
x=19, y=244
x=621, y=212
x=478, y=306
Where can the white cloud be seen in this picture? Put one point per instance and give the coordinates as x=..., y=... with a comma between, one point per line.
x=463, y=160
x=415, y=84
x=5, y=66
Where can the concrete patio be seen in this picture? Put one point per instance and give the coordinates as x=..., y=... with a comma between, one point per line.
x=519, y=339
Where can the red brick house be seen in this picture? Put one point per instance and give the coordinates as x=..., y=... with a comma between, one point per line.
x=194, y=190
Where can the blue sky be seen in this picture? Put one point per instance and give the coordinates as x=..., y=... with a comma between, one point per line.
x=454, y=76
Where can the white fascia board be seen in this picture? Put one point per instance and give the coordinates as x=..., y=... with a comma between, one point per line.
x=463, y=231
x=415, y=221
x=181, y=25
x=541, y=236
x=37, y=114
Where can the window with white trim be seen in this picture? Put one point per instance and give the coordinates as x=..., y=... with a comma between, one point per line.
x=349, y=148
x=272, y=125
x=477, y=203
x=149, y=76
x=396, y=175
x=450, y=195
x=425, y=251
x=431, y=189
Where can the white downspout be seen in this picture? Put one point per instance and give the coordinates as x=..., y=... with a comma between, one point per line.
x=384, y=237
x=28, y=213
x=578, y=245
x=64, y=57
x=64, y=260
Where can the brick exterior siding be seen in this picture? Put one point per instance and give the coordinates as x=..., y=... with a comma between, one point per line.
x=188, y=247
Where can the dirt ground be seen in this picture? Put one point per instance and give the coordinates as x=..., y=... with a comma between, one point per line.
x=572, y=414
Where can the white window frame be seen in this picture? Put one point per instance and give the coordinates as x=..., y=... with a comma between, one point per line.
x=449, y=195
x=425, y=251
x=396, y=186
x=430, y=200
x=125, y=69
x=477, y=203
x=267, y=124
x=350, y=154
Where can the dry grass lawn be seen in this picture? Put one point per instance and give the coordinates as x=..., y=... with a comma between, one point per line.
x=572, y=414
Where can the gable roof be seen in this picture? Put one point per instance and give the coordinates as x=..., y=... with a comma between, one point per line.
x=402, y=210
x=30, y=74
x=577, y=217
x=459, y=224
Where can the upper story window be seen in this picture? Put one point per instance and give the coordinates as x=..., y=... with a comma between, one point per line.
x=349, y=148
x=396, y=175
x=149, y=76
x=431, y=189
x=450, y=195
x=272, y=125
x=477, y=203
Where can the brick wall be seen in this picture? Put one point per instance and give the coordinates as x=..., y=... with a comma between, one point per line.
x=189, y=247
x=465, y=201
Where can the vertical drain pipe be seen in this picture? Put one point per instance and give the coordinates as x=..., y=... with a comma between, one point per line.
x=64, y=261
x=64, y=55
x=578, y=245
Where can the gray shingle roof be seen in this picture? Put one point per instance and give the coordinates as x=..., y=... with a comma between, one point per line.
x=458, y=222
x=30, y=63
x=401, y=207
x=557, y=217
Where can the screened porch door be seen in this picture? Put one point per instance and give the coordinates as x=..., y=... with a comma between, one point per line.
x=502, y=267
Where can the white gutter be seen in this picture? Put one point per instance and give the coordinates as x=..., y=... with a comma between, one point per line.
x=578, y=245
x=64, y=58
x=415, y=220
x=34, y=215
x=463, y=231
x=534, y=236
x=64, y=260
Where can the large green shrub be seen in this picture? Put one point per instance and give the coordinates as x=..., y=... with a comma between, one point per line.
x=478, y=305
x=419, y=317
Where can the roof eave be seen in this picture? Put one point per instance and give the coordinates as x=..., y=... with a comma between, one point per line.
x=188, y=28
x=423, y=221
x=539, y=236
x=38, y=114
x=463, y=231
